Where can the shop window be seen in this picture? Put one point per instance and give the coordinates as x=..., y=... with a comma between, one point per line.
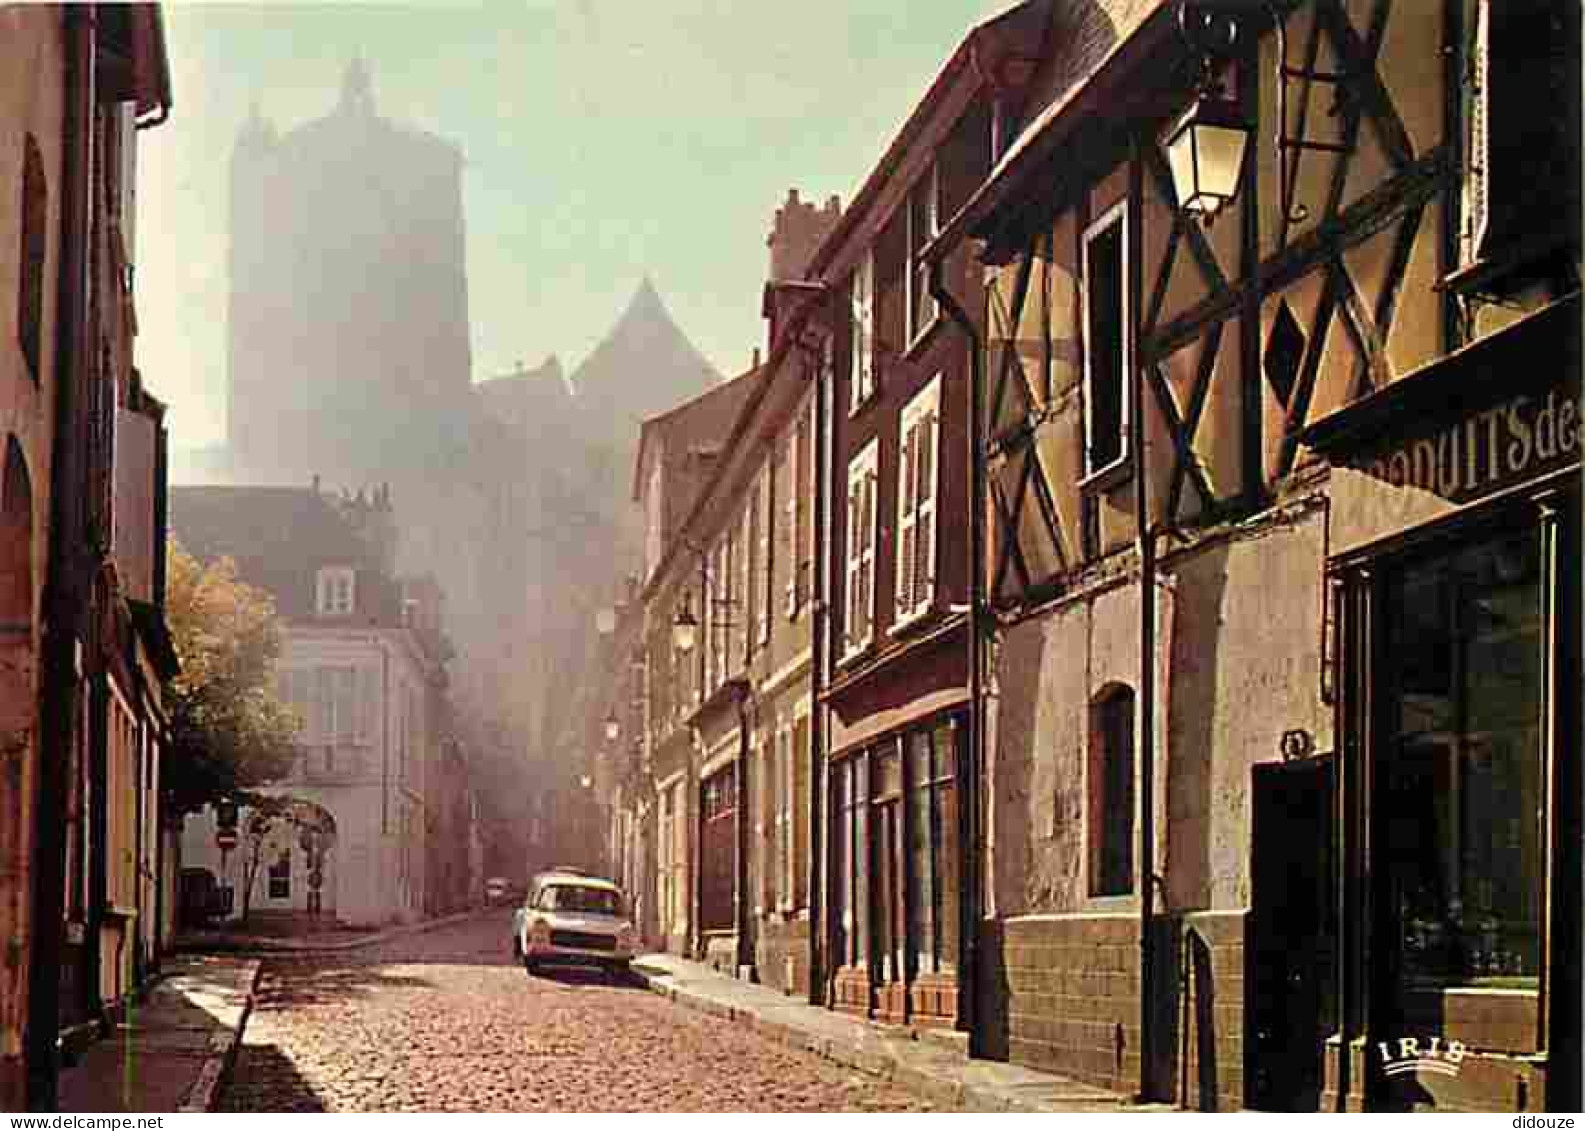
x=1106, y=343
x=850, y=861
x=1111, y=792
x=1461, y=808
x=933, y=849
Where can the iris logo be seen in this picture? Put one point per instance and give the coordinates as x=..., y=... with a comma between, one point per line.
x=1405, y=1055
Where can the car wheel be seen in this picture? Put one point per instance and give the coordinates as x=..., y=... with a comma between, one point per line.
x=618, y=971
x=530, y=965
x=517, y=946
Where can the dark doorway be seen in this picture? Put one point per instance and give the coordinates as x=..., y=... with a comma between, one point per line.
x=1289, y=983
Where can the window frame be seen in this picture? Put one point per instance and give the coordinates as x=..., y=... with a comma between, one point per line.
x=859, y=560
x=33, y=258
x=328, y=581
x=923, y=410
x=1104, y=809
x=1115, y=216
x=928, y=186
x=862, y=383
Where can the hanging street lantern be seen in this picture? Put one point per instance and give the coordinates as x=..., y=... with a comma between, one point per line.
x=1205, y=152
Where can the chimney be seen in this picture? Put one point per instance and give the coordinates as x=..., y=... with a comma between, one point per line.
x=797, y=232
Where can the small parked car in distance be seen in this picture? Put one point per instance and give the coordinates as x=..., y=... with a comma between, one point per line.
x=497, y=890
x=573, y=919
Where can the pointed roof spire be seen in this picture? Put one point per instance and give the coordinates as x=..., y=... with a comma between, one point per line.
x=357, y=87
x=256, y=128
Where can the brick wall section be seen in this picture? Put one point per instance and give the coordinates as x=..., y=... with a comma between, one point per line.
x=1210, y=1025
x=1061, y=994
x=1071, y=997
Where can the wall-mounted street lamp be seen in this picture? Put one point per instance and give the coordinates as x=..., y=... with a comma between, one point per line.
x=684, y=630
x=1207, y=146
x=613, y=726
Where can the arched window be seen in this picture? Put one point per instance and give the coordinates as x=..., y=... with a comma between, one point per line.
x=1111, y=789
x=30, y=261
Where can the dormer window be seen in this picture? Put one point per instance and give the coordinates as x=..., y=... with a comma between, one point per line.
x=334, y=594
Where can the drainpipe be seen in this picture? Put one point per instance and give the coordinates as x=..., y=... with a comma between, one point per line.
x=971, y=757
x=63, y=596
x=740, y=878
x=1146, y=744
x=819, y=628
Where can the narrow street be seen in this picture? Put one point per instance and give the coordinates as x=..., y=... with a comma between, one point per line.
x=448, y=1021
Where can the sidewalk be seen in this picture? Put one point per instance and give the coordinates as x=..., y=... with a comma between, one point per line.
x=930, y=1068
x=174, y=1048
x=232, y=942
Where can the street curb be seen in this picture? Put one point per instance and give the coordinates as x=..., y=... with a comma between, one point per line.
x=871, y=1056
x=267, y=949
x=222, y=1058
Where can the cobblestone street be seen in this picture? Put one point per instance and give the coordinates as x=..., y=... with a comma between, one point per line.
x=448, y=1021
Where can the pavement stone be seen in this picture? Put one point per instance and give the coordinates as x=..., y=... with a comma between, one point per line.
x=171, y=1051
x=928, y=1068
x=449, y=1021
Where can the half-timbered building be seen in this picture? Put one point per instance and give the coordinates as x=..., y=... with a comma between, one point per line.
x=1280, y=434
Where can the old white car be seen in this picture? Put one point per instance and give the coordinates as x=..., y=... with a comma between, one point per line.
x=573, y=920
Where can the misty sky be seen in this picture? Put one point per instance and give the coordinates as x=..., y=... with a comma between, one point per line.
x=604, y=140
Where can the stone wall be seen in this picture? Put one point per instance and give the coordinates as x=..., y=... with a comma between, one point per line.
x=782, y=955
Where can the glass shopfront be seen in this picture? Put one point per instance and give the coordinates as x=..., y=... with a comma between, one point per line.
x=895, y=855
x=1461, y=771
x=1460, y=710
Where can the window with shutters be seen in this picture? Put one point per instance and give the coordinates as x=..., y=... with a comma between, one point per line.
x=798, y=812
x=861, y=374
x=749, y=558
x=800, y=545
x=765, y=583
x=923, y=220
x=769, y=823
x=917, y=479
x=859, y=620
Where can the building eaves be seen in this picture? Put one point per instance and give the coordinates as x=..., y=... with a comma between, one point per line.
x=918, y=120
x=772, y=369
x=1036, y=144
x=736, y=386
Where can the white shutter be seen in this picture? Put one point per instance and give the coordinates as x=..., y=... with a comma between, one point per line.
x=869, y=551
x=850, y=621
x=863, y=369
x=906, y=502
x=794, y=551
x=767, y=527
x=747, y=610
x=927, y=432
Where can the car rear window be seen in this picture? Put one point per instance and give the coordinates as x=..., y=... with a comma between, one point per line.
x=571, y=897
